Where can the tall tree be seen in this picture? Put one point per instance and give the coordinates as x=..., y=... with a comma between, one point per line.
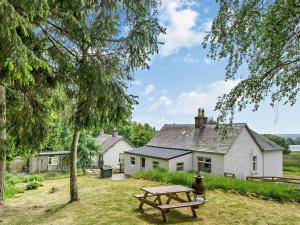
x=264, y=35
x=109, y=40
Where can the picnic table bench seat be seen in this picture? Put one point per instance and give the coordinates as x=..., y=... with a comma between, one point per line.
x=179, y=205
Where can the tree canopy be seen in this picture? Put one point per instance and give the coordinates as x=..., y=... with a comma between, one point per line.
x=280, y=141
x=264, y=36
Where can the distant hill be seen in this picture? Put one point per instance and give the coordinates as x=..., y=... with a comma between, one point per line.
x=293, y=136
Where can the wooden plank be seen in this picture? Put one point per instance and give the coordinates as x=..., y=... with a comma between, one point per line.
x=192, y=208
x=141, y=195
x=179, y=205
x=143, y=200
x=167, y=189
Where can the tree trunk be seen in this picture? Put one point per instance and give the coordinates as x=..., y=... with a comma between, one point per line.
x=2, y=142
x=73, y=166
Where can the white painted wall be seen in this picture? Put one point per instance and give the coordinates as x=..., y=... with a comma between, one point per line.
x=239, y=158
x=273, y=163
x=186, y=159
x=217, y=162
x=130, y=169
x=111, y=156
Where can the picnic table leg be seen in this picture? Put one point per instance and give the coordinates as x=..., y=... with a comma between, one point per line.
x=169, y=199
x=163, y=212
x=142, y=200
x=192, y=208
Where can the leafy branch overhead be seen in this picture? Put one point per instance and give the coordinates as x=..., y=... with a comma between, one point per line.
x=265, y=36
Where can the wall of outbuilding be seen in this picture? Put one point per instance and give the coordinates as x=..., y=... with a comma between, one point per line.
x=130, y=169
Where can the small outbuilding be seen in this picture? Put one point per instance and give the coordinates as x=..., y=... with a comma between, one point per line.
x=49, y=161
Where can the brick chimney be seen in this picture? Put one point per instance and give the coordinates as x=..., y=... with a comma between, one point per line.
x=114, y=132
x=201, y=119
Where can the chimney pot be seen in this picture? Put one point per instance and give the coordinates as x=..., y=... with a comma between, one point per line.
x=201, y=119
x=114, y=132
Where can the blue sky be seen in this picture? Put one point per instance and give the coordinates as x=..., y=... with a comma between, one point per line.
x=182, y=78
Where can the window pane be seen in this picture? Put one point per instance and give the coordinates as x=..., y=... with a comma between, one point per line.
x=155, y=164
x=180, y=166
x=201, y=159
x=132, y=160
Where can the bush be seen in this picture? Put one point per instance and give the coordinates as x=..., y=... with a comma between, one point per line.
x=279, y=192
x=10, y=190
x=34, y=184
x=36, y=177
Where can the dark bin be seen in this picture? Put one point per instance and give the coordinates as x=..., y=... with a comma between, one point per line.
x=106, y=171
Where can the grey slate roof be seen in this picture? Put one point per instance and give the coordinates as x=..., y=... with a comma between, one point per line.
x=264, y=143
x=205, y=139
x=157, y=152
x=53, y=153
x=107, y=141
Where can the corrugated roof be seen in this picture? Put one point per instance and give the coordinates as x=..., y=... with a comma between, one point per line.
x=53, y=153
x=157, y=152
x=205, y=139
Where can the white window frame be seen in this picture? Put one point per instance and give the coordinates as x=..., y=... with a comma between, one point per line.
x=155, y=164
x=254, y=163
x=180, y=166
x=205, y=161
x=132, y=160
x=53, y=160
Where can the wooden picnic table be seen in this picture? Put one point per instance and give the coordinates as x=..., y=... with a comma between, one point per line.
x=171, y=192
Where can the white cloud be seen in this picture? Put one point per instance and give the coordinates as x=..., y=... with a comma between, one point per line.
x=163, y=100
x=207, y=61
x=180, y=18
x=136, y=82
x=149, y=89
x=190, y=59
x=187, y=102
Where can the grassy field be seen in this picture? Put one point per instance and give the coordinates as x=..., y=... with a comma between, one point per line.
x=104, y=201
x=291, y=164
x=279, y=192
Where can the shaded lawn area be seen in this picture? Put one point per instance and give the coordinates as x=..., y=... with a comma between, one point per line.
x=104, y=201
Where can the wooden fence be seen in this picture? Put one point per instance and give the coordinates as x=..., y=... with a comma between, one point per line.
x=290, y=180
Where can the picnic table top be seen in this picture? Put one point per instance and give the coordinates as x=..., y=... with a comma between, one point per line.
x=167, y=189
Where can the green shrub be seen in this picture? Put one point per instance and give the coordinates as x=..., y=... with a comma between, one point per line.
x=35, y=177
x=34, y=184
x=10, y=190
x=279, y=192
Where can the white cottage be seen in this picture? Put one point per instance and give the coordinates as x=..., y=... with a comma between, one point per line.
x=199, y=147
x=112, y=150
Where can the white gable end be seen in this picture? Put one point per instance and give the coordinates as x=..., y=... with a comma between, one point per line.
x=239, y=159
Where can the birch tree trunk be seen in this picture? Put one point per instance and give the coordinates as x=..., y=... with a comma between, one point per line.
x=2, y=142
x=73, y=165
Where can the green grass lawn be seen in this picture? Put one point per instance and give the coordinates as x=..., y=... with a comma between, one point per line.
x=291, y=164
x=104, y=201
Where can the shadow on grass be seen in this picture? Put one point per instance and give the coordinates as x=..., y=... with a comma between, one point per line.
x=52, y=211
x=173, y=216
